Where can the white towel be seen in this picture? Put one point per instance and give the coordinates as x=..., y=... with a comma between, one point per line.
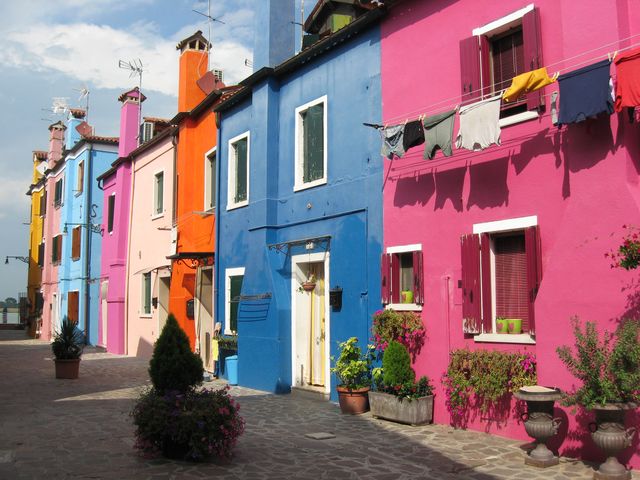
x=479, y=124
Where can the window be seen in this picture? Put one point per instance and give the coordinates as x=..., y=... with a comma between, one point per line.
x=210, y=180
x=146, y=293
x=146, y=132
x=80, y=178
x=233, y=289
x=111, y=209
x=43, y=203
x=73, y=306
x=41, y=254
x=75, y=243
x=57, y=198
x=238, y=186
x=495, y=54
x=402, y=278
x=158, y=194
x=56, y=249
x=501, y=274
x=311, y=144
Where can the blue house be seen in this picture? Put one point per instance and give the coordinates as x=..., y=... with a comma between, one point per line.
x=86, y=156
x=299, y=210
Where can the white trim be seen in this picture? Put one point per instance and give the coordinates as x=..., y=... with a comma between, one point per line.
x=228, y=273
x=504, y=21
x=207, y=180
x=506, y=225
x=415, y=247
x=518, y=118
x=523, y=338
x=231, y=171
x=64, y=184
x=302, y=259
x=143, y=299
x=154, y=213
x=404, y=307
x=299, y=184
x=97, y=147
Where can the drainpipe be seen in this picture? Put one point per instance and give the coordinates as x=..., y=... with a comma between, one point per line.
x=87, y=241
x=216, y=256
x=174, y=142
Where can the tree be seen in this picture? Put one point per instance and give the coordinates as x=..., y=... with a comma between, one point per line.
x=10, y=302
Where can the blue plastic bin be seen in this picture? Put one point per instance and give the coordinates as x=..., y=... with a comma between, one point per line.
x=232, y=369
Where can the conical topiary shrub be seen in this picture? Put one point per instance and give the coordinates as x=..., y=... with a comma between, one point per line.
x=173, y=366
x=396, y=365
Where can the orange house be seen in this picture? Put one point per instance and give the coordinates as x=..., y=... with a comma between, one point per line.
x=191, y=291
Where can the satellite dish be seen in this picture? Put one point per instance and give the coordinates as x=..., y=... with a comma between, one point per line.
x=41, y=168
x=84, y=129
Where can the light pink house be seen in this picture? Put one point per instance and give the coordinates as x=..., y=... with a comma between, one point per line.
x=568, y=190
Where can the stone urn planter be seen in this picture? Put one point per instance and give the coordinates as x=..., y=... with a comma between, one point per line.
x=611, y=436
x=539, y=422
x=418, y=411
x=69, y=369
x=353, y=402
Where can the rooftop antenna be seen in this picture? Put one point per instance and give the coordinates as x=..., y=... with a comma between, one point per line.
x=84, y=93
x=60, y=105
x=135, y=67
x=301, y=23
x=248, y=63
x=209, y=23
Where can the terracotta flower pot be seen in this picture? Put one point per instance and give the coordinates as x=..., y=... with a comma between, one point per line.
x=308, y=286
x=353, y=402
x=68, y=369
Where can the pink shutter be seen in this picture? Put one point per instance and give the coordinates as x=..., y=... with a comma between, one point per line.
x=534, y=270
x=470, y=255
x=532, y=53
x=470, y=68
x=485, y=258
x=394, y=262
x=418, y=286
x=386, y=278
x=485, y=64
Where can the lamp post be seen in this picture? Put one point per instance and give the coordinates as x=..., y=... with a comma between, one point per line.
x=22, y=259
x=94, y=227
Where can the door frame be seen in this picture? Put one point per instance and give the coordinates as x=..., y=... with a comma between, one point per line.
x=296, y=261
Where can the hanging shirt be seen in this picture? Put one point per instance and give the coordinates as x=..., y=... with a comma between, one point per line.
x=392, y=141
x=585, y=93
x=479, y=125
x=628, y=84
x=527, y=82
x=438, y=130
x=413, y=135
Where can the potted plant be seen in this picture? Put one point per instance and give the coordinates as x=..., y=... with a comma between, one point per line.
x=403, y=327
x=67, y=346
x=399, y=397
x=607, y=366
x=353, y=369
x=309, y=284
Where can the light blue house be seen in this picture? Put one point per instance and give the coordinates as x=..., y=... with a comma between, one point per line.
x=299, y=207
x=86, y=156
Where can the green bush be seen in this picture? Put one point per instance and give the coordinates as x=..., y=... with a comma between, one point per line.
x=173, y=366
x=353, y=368
x=396, y=365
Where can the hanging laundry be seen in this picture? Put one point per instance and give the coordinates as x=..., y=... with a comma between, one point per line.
x=413, y=135
x=392, y=141
x=628, y=81
x=527, y=82
x=438, y=130
x=585, y=93
x=479, y=124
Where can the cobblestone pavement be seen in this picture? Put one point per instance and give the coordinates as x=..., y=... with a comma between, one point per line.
x=81, y=429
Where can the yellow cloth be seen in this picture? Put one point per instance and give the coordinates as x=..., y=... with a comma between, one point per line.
x=215, y=350
x=527, y=82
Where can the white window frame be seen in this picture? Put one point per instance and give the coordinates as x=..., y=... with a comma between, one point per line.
x=231, y=171
x=79, y=185
x=500, y=226
x=154, y=213
x=144, y=314
x=62, y=185
x=404, y=307
x=228, y=273
x=208, y=180
x=299, y=145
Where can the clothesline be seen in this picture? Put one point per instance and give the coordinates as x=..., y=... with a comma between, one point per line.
x=431, y=110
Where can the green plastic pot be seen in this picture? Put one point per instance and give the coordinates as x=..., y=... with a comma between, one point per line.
x=515, y=326
x=502, y=326
x=406, y=296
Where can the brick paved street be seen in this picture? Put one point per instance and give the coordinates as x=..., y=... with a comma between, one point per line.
x=80, y=429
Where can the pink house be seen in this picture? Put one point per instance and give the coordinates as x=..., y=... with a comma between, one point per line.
x=552, y=200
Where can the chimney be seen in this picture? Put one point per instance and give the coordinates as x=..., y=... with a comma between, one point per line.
x=75, y=118
x=56, y=142
x=130, y=121
x=194, y=59
x=275, y=33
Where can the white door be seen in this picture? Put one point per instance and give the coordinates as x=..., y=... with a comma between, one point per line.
x=205, y=317
x=104, y=310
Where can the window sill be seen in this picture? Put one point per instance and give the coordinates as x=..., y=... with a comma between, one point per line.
x=523, y=338
x=518, y=118
x=156, y=216
x=233, y=206
x=406, y=307
x=303, y=186
x=145, y=315
x=77, y=194
x=75, y=259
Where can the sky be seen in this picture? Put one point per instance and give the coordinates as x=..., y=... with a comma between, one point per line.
x=55, y=48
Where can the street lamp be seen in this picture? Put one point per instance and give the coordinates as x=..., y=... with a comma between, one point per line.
x=22, y=259
x=95, y=228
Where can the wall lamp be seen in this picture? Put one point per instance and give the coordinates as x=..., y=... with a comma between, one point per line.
x=95, y=228
x=22, y=259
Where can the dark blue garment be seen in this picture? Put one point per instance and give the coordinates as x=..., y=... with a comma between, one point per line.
x=585, y=93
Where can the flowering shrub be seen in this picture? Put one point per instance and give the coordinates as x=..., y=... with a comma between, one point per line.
x=195, y=424
x=403, y=327
x=627, y=255
x=489, y=375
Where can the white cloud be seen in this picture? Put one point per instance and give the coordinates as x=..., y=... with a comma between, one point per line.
x=13, y=200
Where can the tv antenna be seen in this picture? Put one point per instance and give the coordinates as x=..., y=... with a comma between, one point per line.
x=136, y=68
x=60, y=105
x=84, y=94
x=209, y=23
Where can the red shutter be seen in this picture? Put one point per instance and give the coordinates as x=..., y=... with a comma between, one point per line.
x=470, y=253
x=534, y=270
x=418, y=284
x=470, y=68
x=485, y=257
x=532, y=53
x=385, y=293
x=485, y=65
x=394, y=264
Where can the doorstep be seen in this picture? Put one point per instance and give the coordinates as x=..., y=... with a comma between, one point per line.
x=310, y=392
